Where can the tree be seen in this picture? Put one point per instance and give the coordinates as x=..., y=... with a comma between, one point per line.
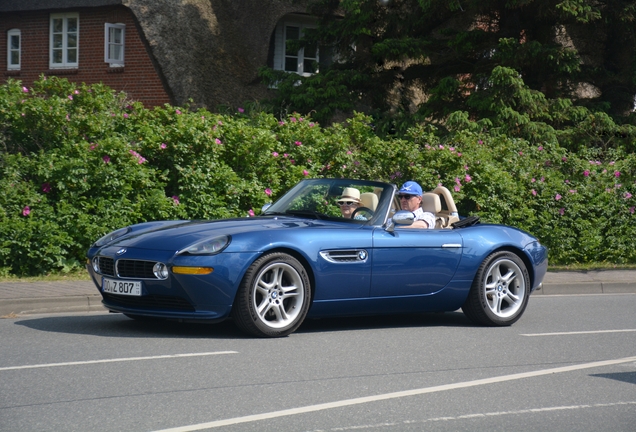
x=410, y=61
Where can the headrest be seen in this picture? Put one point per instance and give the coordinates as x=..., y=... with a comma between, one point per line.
x=431, y=203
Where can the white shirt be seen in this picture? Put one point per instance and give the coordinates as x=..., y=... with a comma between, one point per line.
x=427, y=217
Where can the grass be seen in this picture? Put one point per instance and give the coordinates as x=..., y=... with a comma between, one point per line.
x=82, y=274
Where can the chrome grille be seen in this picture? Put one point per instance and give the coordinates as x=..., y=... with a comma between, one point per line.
x=345, y=255
x=135, y=269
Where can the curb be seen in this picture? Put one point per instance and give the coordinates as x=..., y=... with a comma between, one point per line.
x=40, y=305
x=586, y=288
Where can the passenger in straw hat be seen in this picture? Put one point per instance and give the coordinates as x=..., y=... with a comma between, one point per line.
x=349, y=201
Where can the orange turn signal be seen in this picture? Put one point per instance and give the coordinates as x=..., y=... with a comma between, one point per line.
x=192, y=270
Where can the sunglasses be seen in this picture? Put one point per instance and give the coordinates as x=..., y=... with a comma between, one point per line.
x=406, y=197
x=347, y=203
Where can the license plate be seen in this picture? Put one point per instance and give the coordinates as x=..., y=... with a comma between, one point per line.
x=131, y=288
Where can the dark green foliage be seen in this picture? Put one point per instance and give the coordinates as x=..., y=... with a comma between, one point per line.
x=411, y=61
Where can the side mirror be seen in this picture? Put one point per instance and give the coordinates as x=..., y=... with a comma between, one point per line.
x=265, y=207
x=401, y=217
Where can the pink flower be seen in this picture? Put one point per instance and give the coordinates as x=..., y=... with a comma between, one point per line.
x=459, y=154
x=558, y=197
x=586, y=173
x=25, y=90
x=175, y=198
x=218, y=141
x=106, y=159
x=298, y=143
x=26, y=210
x=540, y=148
x=597, y=162
x=632, y=209
x=467, y=178
x=274, y=154
x=533, y=180
x=268, y=192
x=617, y=174
x=572, y=191
x=480, y=142
x=564, y=159
x=70, y=97
x=250, y=212
x=285, y=155
x=628, y=195
x=125, y=115
x=178, y=112
x=241, y=110
x=612, y=163
x=46, y=187
x=441, y=147
x=163, y=145
x=305, y=173
x=312, y=124
x=520, y=153
x=93, y=146
x=562, y=211
x=542, y=179
x=281, y=123
x=457, y=188
x=293, y=119
x=534, y=192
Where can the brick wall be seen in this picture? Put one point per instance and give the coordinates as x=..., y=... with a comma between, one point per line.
x=139, y=78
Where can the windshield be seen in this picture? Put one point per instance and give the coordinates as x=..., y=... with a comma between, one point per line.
x=354, y=201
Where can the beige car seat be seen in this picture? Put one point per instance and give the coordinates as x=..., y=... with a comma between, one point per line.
x=369, y=200
x=446, y=214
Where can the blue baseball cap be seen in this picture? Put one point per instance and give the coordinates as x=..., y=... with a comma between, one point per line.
x=411, y=188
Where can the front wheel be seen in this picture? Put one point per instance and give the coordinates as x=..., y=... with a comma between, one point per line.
x=274, y=296
x=500, y=291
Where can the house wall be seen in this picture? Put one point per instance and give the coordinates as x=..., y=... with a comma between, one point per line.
x=139, y=78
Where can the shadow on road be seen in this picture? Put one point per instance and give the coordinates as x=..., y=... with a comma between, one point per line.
x=118, y=325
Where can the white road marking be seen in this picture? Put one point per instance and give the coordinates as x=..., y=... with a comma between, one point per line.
x=480, y=415
x=394, y=395
x=579, y=332
x=116, y=360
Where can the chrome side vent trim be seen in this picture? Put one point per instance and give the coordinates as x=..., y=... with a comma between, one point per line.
x=345, y=256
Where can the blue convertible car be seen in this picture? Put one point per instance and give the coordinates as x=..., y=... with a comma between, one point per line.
x=303, y=258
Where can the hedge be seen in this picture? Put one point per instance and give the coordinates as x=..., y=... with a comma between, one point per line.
x=78, y=161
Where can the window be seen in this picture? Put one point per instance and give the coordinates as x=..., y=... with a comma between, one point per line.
x=303, y=61
x=14, y=42
x=114, y=36
x=64, y=41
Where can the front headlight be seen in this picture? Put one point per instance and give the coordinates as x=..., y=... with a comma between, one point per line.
x=210, y=246
x=111, y=236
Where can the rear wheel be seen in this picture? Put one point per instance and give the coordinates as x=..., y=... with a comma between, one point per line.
x=274, y=296
x=500, y=291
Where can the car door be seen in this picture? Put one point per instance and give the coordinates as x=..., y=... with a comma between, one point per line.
x=413, y=261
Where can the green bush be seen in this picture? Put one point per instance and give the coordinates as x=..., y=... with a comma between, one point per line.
x=80, y=161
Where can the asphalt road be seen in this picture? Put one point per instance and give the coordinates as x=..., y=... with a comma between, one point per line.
x=569, y=364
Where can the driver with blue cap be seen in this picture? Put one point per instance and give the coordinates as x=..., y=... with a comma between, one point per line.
x=410, y=196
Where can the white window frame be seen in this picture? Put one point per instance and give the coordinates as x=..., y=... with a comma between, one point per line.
x=114, y=62
x=10, y=34
x=65, y=63
x=281, y=41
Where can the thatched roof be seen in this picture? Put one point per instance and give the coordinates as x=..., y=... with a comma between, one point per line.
x=208, y=50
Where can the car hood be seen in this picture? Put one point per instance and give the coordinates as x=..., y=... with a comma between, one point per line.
x=180, y=235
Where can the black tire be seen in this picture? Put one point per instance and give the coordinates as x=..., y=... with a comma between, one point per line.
x=274, y=296
x=499, y=294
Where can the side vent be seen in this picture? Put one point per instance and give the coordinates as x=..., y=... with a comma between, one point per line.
x=345, y=256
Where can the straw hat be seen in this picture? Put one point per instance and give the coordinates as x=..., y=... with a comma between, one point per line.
x=350, y=194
